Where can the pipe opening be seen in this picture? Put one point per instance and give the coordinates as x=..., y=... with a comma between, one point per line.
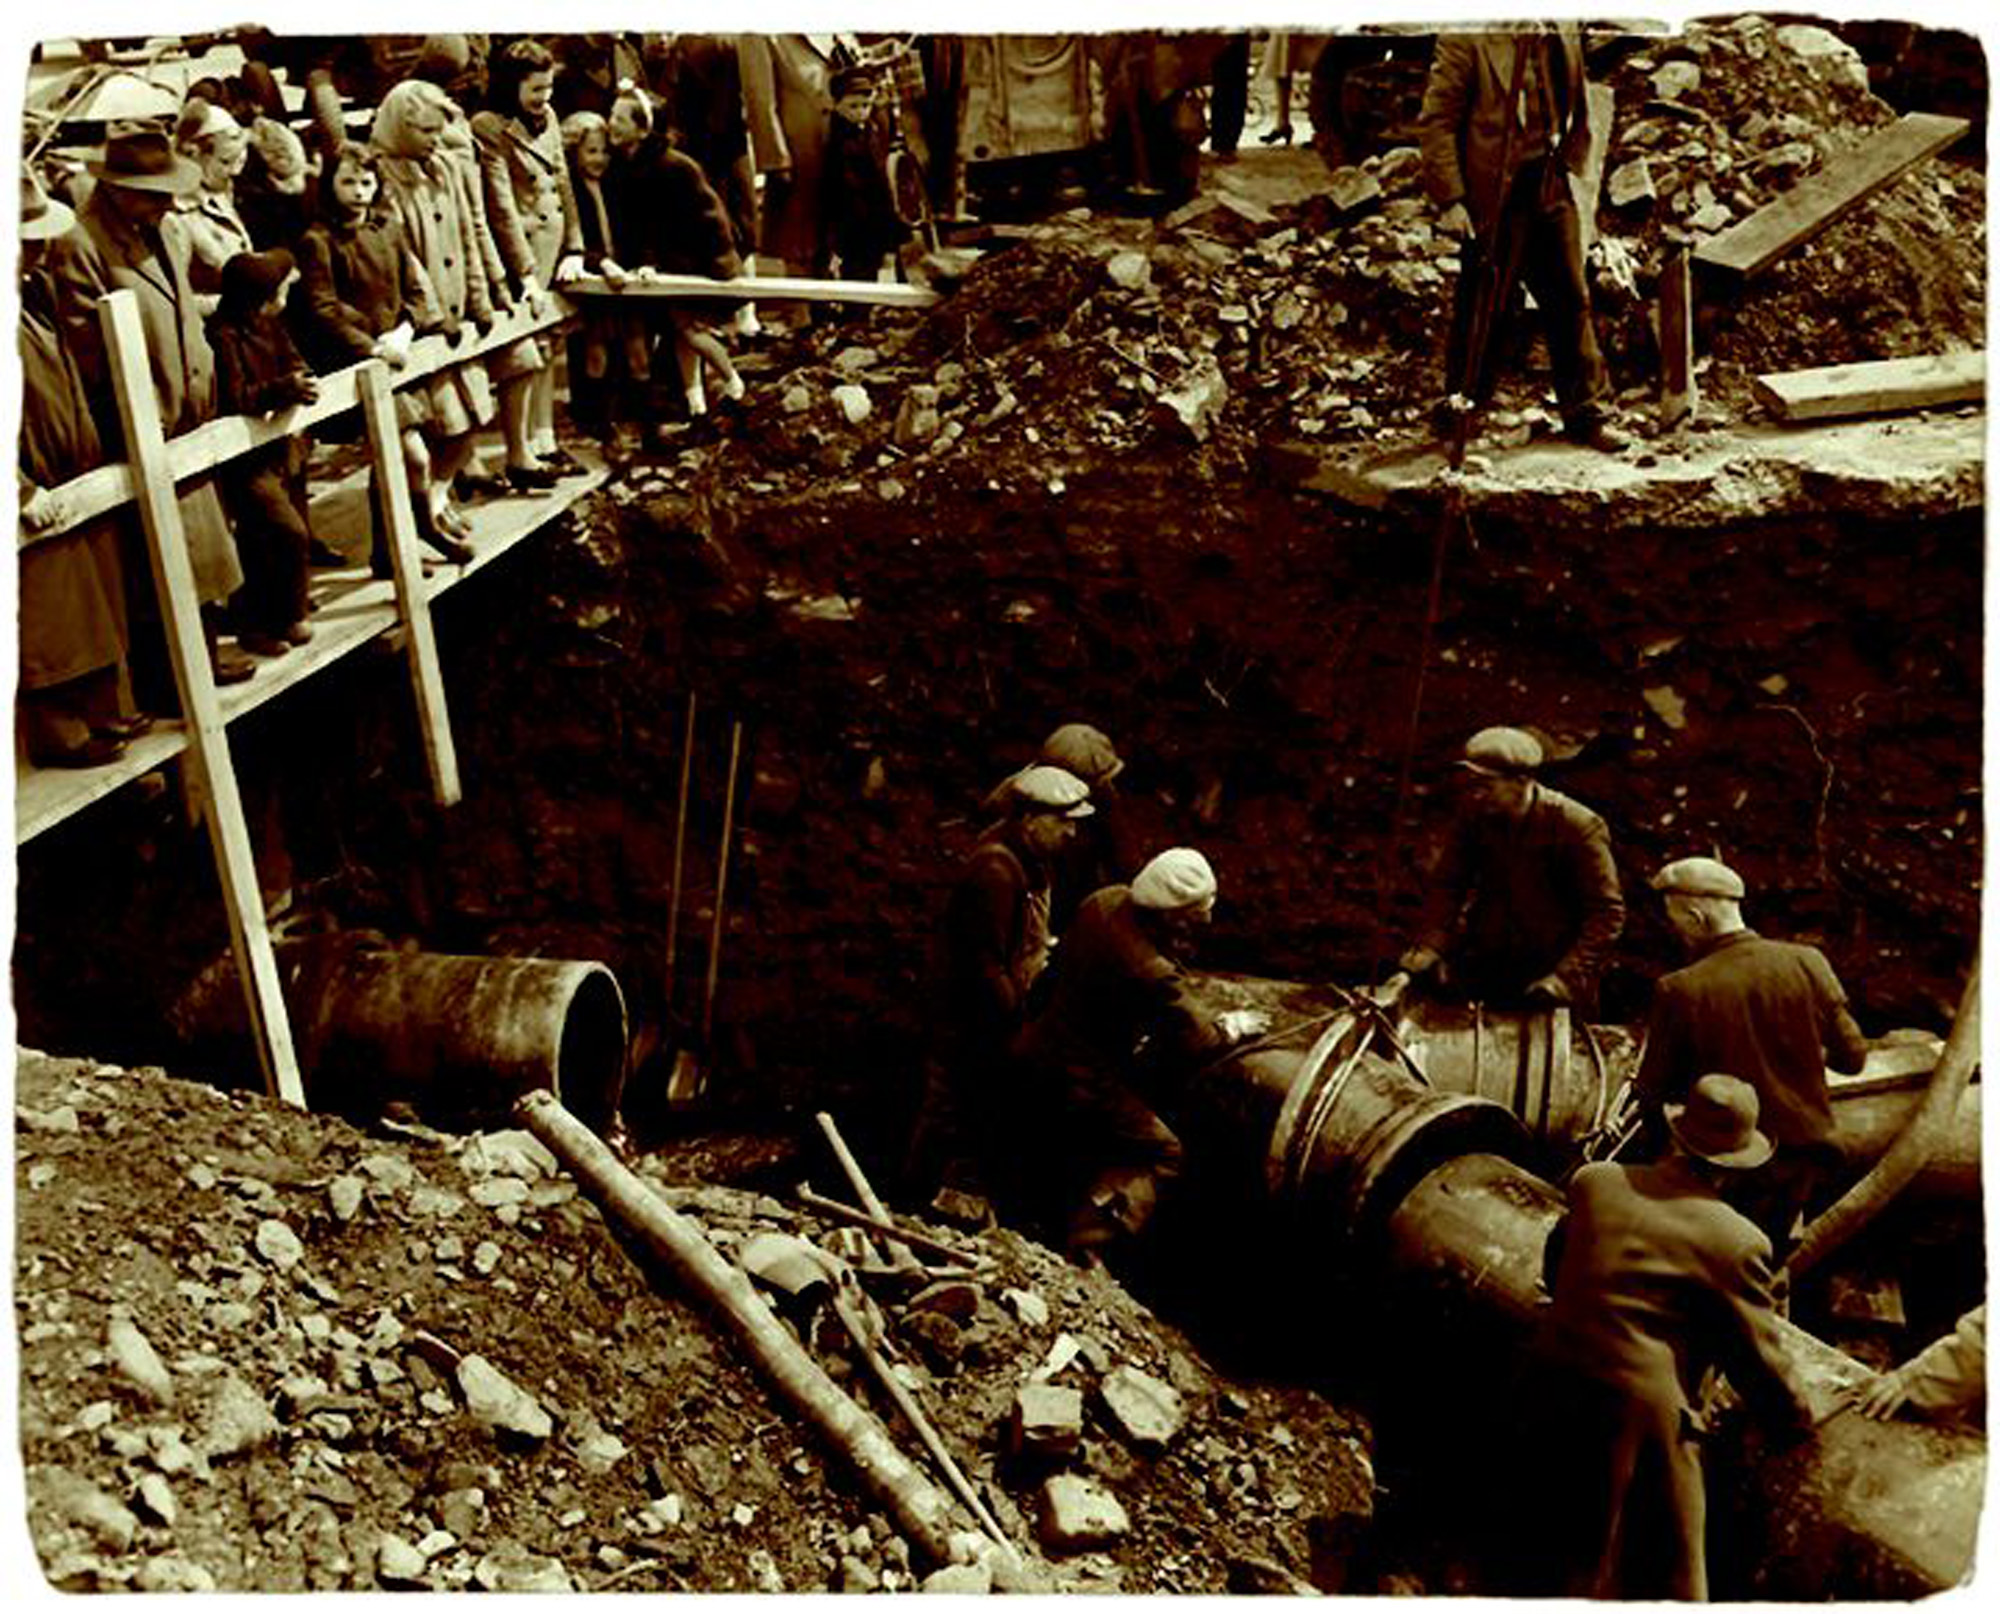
x=589, y=1074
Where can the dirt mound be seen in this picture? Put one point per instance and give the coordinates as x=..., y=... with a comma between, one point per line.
x=261, y=1350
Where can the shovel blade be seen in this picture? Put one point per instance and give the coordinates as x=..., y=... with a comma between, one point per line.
x=686, y=1080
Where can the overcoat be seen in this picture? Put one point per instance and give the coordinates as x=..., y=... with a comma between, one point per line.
x=72, y=614
x=101, y=253
x=1463, y=128
x=786, y=91
x=529, y=205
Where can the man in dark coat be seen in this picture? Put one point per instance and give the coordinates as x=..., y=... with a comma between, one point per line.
x=995, y=942
x=1527, y=899
x=126, y=239
x=1119, y=982
x=1771, y=1012
x=1655, y=1280
x=1505, y=123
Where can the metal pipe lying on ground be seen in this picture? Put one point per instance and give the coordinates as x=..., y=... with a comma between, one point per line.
x=921, y=1511
x=1426, y=1193
x=1920, y=1138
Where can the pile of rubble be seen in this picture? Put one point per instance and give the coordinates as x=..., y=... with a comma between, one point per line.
x=261, y=1350
x=1230, y=322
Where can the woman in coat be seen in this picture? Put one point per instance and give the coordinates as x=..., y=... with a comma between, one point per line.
x=218, y=145
x=75, y=701
x=128, y=238
x=532, y=213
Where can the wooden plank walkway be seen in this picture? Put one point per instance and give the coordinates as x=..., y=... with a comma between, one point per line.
x=1876, y=387
x=350, y=609
x=1755, y=243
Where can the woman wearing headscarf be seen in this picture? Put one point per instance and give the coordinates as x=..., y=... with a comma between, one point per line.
x=209, y=137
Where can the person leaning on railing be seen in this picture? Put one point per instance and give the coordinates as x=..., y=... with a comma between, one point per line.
x=76, y=701
x=127, y=238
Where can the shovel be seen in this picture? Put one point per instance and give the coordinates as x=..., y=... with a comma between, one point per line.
x=687, y=1079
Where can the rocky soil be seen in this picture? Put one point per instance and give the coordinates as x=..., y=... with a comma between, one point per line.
x=263, y=1351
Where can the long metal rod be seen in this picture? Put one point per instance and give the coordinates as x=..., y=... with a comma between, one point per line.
x=680, y=843
x=721, y=883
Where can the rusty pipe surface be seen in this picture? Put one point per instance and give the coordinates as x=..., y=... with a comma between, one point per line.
x=1913, y=1147
x=460, y=1038
x=1431, y=1189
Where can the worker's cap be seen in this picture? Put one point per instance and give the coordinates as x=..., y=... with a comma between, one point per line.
x=1717, y=1122
x=1502, y=753
x=1042, y=789
x=1087, y=752
x=1178, y=878
x=1699, y=877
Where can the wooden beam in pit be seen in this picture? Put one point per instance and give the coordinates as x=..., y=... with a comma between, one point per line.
x=1755, y=243
x=1878, y=387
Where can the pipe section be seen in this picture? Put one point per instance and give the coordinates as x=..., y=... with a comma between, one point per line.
x=460, y=1038
x=1427, y=1191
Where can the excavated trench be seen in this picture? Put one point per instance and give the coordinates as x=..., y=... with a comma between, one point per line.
x=1802, y=695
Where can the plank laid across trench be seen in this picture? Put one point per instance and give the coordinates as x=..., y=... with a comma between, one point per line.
x=1876, y=387
x=1755, y=243
x=350, y=608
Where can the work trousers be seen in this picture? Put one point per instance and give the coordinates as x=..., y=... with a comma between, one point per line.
x=267, y=496
x=1122, y=1156
x=1780, y=1194
x=1229, y=95
x=1538, y=241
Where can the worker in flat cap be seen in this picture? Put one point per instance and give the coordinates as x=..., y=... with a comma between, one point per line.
x=995, y=941
x=1654, y=1280
x=1772, y=1012
x=1526, y=901
x=1119, y=982
x=1107, y=848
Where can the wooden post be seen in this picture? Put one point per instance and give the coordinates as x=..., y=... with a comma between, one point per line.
x=208, y=739
x=392, y=485
x=1679, y=391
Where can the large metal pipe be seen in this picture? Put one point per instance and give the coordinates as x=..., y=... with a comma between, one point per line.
x=459, y=1038
x=1430, y=1192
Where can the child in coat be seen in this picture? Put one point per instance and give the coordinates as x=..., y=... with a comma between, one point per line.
x=258, y=371
x=611, y=353
x=860, y=206
x=687, y=232
x=366, y=297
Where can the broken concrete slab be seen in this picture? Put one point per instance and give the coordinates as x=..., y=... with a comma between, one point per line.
x=1078, y=1513
x=1353, y=190
x=1047, y=1420
x=1149, y=1412
x=1904, y=467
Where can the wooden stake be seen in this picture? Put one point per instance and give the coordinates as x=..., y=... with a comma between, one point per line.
x=882, y=1224
x=1679, y=391
x=385, y=443
x=213, y=770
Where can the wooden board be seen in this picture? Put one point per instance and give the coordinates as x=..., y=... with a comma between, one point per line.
x=350, y=610
x=764, y=289
x=1755, y=243
x=1679, y=390
x=1878, y=387
x=219, y=441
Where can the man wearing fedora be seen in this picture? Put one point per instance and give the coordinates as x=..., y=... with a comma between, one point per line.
x=1526, y=901
x=1771, y=1012
x=126, y=239
x=1655, y=1280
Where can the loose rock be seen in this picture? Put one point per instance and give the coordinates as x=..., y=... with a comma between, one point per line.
x=1146, y=1410
x=278, y=1244
x=136, y=1360
x=1079, y=1513
x=496, y=1401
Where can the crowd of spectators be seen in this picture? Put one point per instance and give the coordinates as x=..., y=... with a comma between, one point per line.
x=266, y=246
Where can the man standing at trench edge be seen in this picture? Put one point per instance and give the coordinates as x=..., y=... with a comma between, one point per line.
x=1505, y=123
